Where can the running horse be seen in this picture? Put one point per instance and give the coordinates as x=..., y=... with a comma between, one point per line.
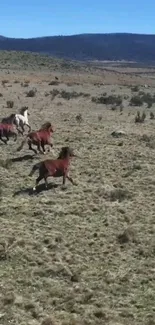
x=7, y=131
x=9, y=119
x=55, y=167
x=20, y=120
x=39, y=138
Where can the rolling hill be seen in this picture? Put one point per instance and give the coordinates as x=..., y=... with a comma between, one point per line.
x=112, y=47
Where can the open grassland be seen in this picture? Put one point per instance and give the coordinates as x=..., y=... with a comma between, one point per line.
x=84, y=254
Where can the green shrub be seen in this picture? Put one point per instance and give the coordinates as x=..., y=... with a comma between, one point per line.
x=53, y=83
x=31, y=93
x=141, y=98
x=140, y=118
x=151, y=116
x=108, y=100
x=135, y=89
x=136, y=101
x=66, y=94
x=10, y=103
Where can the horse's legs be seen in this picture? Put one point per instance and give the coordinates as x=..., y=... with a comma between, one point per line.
x=70, y=179
x=4, y=141
x=64, y=180
x=39, y=178
x=28, y=127
x=16, y=123
x=43, y=147
x=15, y=137
x=50, y=144
x=39, y=148
x=23, y=130
x=7, y=137
x=19, y=131
x=30, y=147
x=46, y=182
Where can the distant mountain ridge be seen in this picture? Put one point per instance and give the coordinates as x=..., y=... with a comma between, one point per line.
x=112, y=47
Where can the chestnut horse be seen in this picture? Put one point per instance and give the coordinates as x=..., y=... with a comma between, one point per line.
x=39, y=138
x=54, y=168
x=7, y=131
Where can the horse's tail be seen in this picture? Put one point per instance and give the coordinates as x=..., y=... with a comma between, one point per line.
x=22, y=143
x=35, y=167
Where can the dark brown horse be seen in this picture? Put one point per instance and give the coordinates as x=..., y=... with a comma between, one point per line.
x=39, y=138
x=55, y=168
x=9, y=119
x=7, y=131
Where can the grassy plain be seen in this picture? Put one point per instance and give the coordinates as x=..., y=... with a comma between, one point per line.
x=83, y=255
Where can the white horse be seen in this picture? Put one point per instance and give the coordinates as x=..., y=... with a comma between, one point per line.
x=20, y=120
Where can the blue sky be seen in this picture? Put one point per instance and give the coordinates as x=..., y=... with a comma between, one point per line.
x=31, y=18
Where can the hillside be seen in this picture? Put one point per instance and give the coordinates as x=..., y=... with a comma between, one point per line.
x=119, y=46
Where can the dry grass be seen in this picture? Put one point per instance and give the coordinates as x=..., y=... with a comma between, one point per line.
x=81, y=255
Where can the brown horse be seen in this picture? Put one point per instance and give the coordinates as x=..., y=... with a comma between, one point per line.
x=9, y=119
x=54, y=168
x=39, y=138
x=7, y=131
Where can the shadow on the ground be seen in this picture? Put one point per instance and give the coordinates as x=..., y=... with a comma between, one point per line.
x=40, y=188
x=23, y=158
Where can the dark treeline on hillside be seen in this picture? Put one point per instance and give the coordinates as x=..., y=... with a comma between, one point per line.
x=113, y=47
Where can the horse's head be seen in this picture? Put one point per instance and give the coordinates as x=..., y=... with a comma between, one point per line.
x=9, y=120
x=23, y=110
x=66, y=152
x=12, y=118
x=47, y=127
x=51, y=129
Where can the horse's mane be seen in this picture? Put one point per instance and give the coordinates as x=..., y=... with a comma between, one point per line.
x=45, y=126
x=23, y=109
x=65, y=152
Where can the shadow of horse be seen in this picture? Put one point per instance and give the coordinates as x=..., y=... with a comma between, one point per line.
x=23, y=158
x=40, y=188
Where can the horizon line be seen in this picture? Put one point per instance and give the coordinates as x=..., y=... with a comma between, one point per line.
x=79, y=34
